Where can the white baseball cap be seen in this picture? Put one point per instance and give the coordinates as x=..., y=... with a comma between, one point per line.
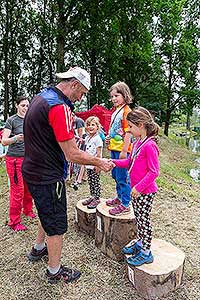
x=80, y=74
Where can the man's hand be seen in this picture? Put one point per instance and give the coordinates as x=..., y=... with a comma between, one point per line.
x=106, y=164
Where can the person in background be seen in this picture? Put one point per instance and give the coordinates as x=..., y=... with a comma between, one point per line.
x=20, y=198
x=79, y=126
x=94, y=145
x=118, y=141
x=79, y=170
x=143, y=167
x=2, y=148
x=49, y=146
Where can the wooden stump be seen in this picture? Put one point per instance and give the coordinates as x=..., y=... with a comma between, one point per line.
x=85, y=218
x=164, y=275
x=112, y=233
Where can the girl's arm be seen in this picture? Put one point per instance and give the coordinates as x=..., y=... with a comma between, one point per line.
x=152, y=154
x=127, y=139
x=121, y=163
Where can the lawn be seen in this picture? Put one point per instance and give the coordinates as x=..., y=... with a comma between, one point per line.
x=175, y=218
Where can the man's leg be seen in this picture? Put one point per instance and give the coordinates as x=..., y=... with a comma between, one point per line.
x=39, y=250
x=54, y=246
x=40, y=235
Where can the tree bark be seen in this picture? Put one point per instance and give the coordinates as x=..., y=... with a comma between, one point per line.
x=167, y=122
x=6, y=66
x=164, y=275
x=61, y=36
x=85, y=218
x=188, y=121
x=113, y=232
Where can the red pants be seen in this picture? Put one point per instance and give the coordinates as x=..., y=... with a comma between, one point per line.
x=20, y=198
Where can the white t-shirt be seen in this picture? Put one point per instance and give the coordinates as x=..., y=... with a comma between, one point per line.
x=92, y=143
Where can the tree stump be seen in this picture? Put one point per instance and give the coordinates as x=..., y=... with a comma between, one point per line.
x=164, y=275
x=85, y=218
x=113, y=232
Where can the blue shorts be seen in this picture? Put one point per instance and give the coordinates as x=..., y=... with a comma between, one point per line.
x=50, y=201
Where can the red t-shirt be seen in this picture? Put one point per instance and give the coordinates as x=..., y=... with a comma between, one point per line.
x=61, y=120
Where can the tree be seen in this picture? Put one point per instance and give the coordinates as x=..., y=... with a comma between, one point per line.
x=173, y=45
x=14, y=51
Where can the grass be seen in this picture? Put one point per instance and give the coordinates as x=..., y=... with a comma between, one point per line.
x=175, y=218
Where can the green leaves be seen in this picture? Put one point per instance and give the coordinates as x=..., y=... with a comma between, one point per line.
x=152, y=45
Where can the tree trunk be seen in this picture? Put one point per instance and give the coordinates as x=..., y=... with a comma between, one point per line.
x=167, y=122
x=61, y=36
x=113, y=232
x=188, y=121
x=85, y=218
x=93, y=91
x=164, y=275
x=6, y=66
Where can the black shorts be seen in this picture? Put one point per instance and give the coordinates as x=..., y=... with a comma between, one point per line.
x=50, y=201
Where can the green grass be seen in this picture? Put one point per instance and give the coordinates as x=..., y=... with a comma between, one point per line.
x=175, y=218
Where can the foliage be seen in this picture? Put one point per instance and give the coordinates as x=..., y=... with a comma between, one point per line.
x=152, y=45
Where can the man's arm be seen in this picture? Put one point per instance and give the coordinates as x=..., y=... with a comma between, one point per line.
x=74, y=154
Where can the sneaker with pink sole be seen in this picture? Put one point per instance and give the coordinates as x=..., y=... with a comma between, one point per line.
x=88, y=201
x=93, y=204
x=119, y=210
x=18, y=227
x=113, y=202
x=31, y=215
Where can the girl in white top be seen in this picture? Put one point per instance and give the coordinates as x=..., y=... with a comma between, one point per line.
x=94, y=145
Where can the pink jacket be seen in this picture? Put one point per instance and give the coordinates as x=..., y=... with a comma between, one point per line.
x=145, y=167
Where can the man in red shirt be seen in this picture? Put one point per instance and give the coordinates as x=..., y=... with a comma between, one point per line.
x=49, y=145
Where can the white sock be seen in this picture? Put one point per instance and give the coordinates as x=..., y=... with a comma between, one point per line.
x=39, y=246
x=53, y=270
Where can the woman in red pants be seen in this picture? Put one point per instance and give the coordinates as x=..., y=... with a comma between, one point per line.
x=20, y=198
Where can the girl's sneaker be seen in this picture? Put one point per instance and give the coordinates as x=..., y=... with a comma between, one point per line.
x=18, y=227
x=113, y=202
x=31, y=215
x=140, y=259
x=132, y=249
x=119, y=210
x=93, y=204
x=88, y=201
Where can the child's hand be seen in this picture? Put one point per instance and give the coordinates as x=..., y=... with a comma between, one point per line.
x=123, y=154
x=106, y=164
x=107, y=140
x=97, y=170
x=134, y=193
x=112, y=162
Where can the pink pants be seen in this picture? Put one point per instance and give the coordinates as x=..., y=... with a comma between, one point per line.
x=20, y=198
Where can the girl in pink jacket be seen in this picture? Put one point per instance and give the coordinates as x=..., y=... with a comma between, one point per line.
x=143, y=167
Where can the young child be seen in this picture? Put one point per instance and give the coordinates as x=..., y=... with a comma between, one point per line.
x=118, y=141
x=94, y=145
x=143, y=167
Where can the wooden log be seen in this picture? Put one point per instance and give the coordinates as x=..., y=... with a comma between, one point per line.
x=113, y=232
x=85, y=218
x=164, y=275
